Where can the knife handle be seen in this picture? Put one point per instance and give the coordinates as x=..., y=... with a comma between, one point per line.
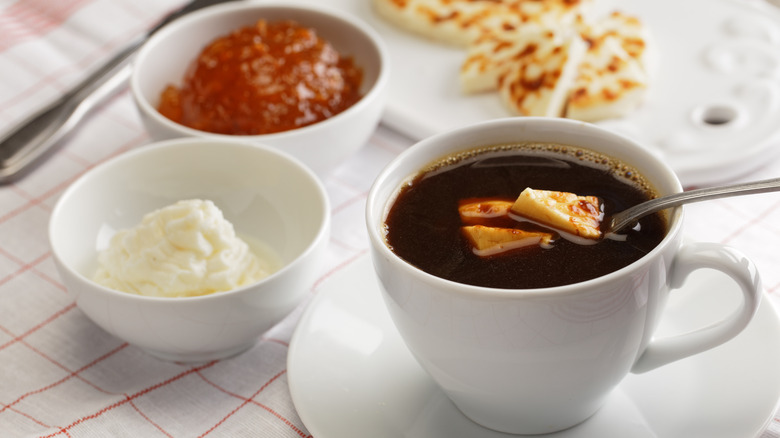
x=41, y=132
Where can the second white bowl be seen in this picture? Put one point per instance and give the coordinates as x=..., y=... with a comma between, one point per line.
x=164, y=59
x=267, y=196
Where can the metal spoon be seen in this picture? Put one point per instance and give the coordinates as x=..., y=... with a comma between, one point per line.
x=626, y=217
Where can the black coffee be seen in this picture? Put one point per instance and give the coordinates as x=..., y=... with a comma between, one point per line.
x=423, y=224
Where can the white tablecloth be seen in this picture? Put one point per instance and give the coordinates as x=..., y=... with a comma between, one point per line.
x=60, y=375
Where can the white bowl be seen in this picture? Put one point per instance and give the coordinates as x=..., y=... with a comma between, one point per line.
x=164, y=59
x=267, y=195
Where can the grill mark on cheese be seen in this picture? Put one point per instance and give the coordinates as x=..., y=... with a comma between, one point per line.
x=612, y=77
x=539, y=83
x=502, y=46
x=528, y=51
x=444, y=19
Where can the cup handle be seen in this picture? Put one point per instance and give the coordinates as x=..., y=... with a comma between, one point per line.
x=691, y=257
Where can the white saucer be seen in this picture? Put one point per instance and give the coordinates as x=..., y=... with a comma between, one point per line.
x=351, y=376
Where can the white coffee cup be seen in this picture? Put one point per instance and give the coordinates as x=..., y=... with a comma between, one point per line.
x=541, y=360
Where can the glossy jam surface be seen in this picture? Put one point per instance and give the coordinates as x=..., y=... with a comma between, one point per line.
x=262, y=79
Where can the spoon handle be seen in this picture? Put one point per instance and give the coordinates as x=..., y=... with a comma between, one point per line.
x=628, y=216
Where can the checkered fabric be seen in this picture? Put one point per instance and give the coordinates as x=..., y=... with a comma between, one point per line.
x=60, y=375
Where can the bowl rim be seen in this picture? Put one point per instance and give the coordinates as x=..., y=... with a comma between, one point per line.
x=220, y=9
x=320, y=237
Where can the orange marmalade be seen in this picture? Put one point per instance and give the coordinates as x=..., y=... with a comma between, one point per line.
x=261, y=79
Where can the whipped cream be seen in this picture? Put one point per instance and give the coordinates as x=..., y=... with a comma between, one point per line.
x=183, y=250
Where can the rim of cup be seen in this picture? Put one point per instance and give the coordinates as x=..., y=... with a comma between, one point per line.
x=377, y=208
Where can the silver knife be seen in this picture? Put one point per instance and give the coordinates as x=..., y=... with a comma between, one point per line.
x=35, y=137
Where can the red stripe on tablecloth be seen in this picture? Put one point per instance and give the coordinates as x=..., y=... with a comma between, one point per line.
x=24, y=266
x=63, y=367
x=286, y=421
x=76, y=158
x=39, y=200
x=32, y=200
x=277, y=341
x=30, y=266
x=150, y=420
x=350, y=201
x=54, y=281
x=53, y=78
x=761, y=216
x=387, y=145
x=51, y=318
x=251, y=400
x=34, y=18
x=129, y=398
x=344, y=245
x=246, y=400
x=754, y=220
x=29, y=417
x=53, y=361
x=65, y=379
x=338, y=268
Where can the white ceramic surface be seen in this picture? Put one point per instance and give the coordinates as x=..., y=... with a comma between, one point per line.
x=165, y=57
x=725, y=62
x=267, y=195
x=540, y=360
x=351, y=376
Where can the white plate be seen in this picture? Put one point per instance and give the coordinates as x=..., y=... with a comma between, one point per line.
x=715, y=58
x=351, y=376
